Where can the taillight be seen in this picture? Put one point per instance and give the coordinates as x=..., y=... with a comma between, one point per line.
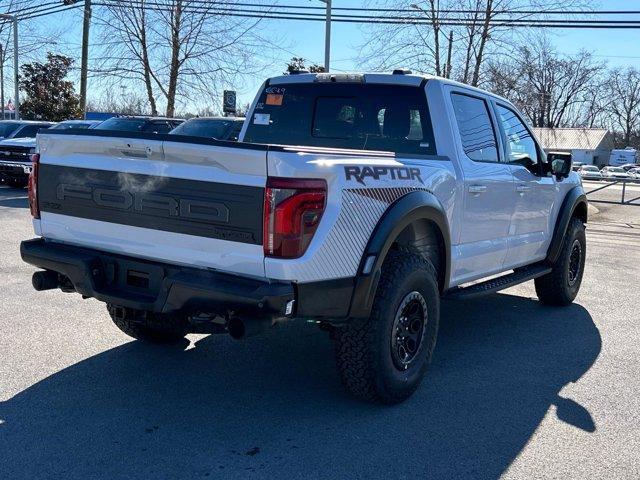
x=33, y=186
x=292, y=211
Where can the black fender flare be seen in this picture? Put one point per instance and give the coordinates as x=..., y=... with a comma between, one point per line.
x=574, y=204
x=415, y=206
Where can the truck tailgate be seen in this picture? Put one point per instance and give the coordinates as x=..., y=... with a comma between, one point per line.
x=158, y=197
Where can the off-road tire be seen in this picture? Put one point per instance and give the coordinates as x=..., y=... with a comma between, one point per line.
x=364, y=347
x=148, y=326
x=558, y=287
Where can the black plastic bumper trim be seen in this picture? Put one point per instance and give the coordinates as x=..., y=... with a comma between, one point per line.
x=166, y=288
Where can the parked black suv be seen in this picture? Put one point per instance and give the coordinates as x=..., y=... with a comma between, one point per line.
x=140, y=124
x=220, y=128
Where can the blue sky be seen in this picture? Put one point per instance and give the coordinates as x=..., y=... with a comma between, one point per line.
x=306, y=39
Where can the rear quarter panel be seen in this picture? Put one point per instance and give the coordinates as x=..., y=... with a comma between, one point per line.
x=361, y=187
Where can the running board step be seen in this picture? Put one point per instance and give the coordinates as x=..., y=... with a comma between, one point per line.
x=500, y=283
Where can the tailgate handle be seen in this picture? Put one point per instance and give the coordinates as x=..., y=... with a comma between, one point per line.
x=137, y=152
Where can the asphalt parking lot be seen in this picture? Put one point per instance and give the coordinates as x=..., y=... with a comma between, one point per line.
x=516, y=389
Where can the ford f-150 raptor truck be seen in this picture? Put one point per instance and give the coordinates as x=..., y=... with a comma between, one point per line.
x=356, y=201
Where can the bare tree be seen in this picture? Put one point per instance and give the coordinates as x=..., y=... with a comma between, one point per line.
x=478, y=28
x=623, y=92
x=183, y=50
x=552, y=90
x=125, y=103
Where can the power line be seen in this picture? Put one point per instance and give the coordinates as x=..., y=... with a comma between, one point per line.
x=409, y=10
x=284, y=12
x=41, y=10
x=413, y=20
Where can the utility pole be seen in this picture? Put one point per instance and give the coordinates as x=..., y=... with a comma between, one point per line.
x=2, y=78
x=85, y=55
x=15, y=68
x=447, y=69
x=14, y=19
x=327, y=36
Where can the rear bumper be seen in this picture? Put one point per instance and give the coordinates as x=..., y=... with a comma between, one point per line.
x=155, y=286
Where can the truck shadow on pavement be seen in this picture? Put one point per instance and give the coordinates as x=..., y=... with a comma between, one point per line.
x=272, y=406
x=13, y=197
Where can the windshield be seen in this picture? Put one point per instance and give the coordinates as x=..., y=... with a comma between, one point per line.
x=616, y=170
x=68, y=125
x=590, y=169
x=7, y=129
x=344, y=115
x=216, y=128
x=122, y=124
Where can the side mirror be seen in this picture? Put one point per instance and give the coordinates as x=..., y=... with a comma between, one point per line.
x=560, y=164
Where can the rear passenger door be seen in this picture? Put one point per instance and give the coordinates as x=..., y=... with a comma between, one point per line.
x=534, y=194
x=488, y=187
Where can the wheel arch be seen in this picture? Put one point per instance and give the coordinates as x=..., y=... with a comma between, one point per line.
x=416, y=221
x=574, y=205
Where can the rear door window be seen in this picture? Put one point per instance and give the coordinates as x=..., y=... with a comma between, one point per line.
x=477, y=135
x=392, y=118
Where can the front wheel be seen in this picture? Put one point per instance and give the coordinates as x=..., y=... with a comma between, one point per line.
x=560, y=286
x=384, y=358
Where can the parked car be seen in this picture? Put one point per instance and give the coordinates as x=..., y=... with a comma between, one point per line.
x=21, y=128
x=589, y=172
x=634, y=173
x=576, y=166
x=614, y=172
x=19, y=142
x=15, y=164
x=140, y=124
x=358, y=202
x=82, y=124
x=220, y=128
x=629, y=166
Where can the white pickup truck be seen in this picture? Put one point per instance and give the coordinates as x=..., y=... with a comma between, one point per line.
x=354, y=200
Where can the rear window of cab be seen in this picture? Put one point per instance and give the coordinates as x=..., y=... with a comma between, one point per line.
x=356, y=116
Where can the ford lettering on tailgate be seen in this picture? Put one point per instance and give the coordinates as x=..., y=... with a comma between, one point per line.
x=193, y=207
x=147, y=203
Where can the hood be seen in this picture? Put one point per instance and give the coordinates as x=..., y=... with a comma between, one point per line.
x=19, y=142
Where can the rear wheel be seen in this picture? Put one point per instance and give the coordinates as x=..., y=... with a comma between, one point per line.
x=149, y=326
x=561, y=285
x=384, y=358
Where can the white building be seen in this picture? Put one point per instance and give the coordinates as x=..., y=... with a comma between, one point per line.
x=589, y=146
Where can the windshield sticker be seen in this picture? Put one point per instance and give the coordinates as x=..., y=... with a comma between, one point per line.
x=259, y=106
x=274, y=99
x=261, y=118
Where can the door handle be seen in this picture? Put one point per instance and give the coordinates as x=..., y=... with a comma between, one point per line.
x=522, y=188
x=477, y=189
